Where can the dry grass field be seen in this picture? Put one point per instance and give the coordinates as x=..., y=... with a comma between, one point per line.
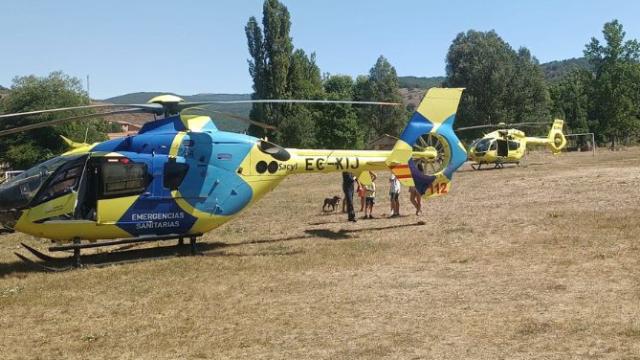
x=535, y=262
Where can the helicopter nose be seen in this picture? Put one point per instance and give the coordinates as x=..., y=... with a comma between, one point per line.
x=14, y=196
x=11, y=201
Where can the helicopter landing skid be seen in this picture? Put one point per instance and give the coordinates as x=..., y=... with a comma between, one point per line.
x=54, y=264
x=478, y=166
x=42, y=266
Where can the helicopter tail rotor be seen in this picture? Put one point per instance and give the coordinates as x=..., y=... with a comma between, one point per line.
x=556, y=138
x=430, y=127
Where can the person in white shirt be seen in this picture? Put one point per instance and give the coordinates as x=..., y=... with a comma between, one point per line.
x=394, y=195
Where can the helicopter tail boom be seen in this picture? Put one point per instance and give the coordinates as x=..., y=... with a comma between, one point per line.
x=324, y=161
x=555, y=141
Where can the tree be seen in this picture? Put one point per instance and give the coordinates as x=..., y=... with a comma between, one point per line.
x=280, y=73
x=502, y=85
x=570, y=99
x=616, y=50
x=616, y=99
x=258, y=71
x=338, y=124
x=36, y=93
x=482, y=63
x=381, y=85
x=297, y=127
x=530, y=96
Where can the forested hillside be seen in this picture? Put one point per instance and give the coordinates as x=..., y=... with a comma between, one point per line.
x=417, y=82
x=557, y=70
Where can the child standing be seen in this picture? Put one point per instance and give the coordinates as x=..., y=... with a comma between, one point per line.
x=362, y=193
x=370, y=198
x=394, y=195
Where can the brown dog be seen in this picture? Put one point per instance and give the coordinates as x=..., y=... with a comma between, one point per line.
x=332, y=202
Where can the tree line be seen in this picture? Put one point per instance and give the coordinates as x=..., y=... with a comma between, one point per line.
x=504, y=85
x=605, y=99
x=279, y=71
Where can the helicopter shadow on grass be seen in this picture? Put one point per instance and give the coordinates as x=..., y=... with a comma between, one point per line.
x=342, y=234
x=505, y=168
x=126, y=255
x=122, y=255
x=328, y=234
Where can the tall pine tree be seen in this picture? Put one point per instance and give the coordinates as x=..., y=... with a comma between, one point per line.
x=279, y=72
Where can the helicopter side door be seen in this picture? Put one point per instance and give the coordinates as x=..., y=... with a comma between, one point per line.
x=57, y=199
x=503, y=147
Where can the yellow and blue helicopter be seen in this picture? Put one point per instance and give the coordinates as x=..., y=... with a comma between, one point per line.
x=180, y=177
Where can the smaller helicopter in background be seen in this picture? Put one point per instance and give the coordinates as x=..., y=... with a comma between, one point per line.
x=508, y=145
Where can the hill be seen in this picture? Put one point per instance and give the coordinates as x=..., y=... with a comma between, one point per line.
x=553, y=71
x=556, y=70
x=412, y=90
x=222, y=122
x=417, y=82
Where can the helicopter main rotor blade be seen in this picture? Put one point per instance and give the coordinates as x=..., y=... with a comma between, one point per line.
x=502, y=125
x=242, y=118
x=530, y=123
x=185, y=105
x=477, y=127
x=60, y=121
x=155, y=108
x=238, y=117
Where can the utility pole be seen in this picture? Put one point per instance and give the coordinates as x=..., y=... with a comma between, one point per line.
x=88, y=87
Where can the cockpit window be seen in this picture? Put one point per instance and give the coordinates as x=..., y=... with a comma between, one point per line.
x=35, y=176
x=64, y=180
x=483, y=145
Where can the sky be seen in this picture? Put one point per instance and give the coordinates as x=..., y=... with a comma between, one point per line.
x=189, y=47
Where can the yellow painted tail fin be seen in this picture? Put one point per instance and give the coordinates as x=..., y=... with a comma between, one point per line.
x=557, y=141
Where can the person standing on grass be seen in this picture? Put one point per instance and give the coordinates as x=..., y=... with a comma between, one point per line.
x=362, y=192
x=416, y=199
x=370, y=197
x=347, y=187
x=394, y=195
x=414, y=195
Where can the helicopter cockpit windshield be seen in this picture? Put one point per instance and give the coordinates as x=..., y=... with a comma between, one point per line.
x=482, y=145
x=17, y=192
